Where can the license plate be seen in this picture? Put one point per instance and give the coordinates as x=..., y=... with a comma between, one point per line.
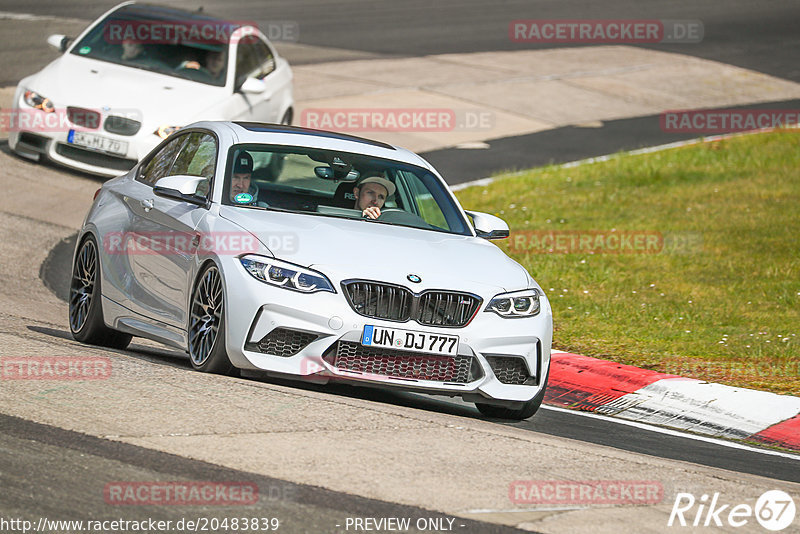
x=98, y=142
x=396, y=338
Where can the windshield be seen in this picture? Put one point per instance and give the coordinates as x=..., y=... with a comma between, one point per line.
x=339, y=184
x=184, y=49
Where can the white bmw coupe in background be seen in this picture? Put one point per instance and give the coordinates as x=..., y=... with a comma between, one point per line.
x=137, y=74
x=250, y=246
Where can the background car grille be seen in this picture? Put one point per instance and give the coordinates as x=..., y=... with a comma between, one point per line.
x=397, y=303
x=353, y=356
x=121, y=125
x=88, y=118
x=283, y=342
x=509, y=370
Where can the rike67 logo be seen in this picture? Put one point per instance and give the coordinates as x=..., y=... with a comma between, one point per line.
x=774, y=510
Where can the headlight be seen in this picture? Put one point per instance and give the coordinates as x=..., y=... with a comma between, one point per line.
x=517, y=304
x=164, y=131
x=286, y=275
x=35, y=100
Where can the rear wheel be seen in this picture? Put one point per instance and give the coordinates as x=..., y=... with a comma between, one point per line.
x=527, y=410
x=85, y=307
x=207, y=325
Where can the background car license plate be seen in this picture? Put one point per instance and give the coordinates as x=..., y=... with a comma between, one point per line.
x=395, y=338
x=98, y=142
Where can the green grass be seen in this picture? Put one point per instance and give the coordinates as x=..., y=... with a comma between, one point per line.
x=720, y=301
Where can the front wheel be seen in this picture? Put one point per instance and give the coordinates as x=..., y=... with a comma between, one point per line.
x=85, y=307
x=207, y=325
x=527, y=410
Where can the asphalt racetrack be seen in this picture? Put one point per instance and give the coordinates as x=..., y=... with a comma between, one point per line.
x=320, y=455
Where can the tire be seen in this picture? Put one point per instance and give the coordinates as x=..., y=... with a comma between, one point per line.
x=528, y=409
x=207, y=325
x=85, y=301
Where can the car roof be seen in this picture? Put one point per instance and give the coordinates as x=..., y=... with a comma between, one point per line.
x=151, y=11
x=281, y=134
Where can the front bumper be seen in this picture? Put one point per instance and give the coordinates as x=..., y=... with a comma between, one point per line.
x=52, y=142
x=323, y=320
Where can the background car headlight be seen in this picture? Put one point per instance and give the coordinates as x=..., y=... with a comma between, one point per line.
x=164, y=130
x=35, y=100
x=286, y=275
x=516, y=304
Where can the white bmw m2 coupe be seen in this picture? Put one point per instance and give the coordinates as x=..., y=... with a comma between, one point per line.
x=315, y=256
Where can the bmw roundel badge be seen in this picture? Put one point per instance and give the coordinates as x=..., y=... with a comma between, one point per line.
x=414, y=278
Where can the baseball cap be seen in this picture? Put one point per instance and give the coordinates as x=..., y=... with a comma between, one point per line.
x=243, y=163
x=377, y=179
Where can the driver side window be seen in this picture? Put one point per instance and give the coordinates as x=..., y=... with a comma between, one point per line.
x=191, y=154
x=253, y=58
x=160, y=165
x=197, y=157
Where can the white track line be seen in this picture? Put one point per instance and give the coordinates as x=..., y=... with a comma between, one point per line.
x=8, y=15
x=675, y=433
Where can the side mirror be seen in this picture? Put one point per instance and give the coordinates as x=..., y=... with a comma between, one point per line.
x=253, y=86
x=58, y=41
x=181, y=187
x=488, y=226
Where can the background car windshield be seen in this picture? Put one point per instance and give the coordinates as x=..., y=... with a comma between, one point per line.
x=164, y=44
x=321, y=182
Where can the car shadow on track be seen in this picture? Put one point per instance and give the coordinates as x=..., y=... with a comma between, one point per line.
x=175, y=358
x=45, y=162
x=165, y=356
x=373, y=394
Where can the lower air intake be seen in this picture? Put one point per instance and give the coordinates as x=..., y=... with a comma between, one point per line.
x=509, y=370
x=352, y=356
x=283, y=342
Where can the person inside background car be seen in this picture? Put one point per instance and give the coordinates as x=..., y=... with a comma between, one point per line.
x=131, y=50
x=371, y=193
x=134, y=52
x=214, y=64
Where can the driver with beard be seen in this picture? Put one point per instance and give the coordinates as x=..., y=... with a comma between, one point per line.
x=371, y=193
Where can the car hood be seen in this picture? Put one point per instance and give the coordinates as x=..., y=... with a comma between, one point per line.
x=152, y=98
x=345, y=248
